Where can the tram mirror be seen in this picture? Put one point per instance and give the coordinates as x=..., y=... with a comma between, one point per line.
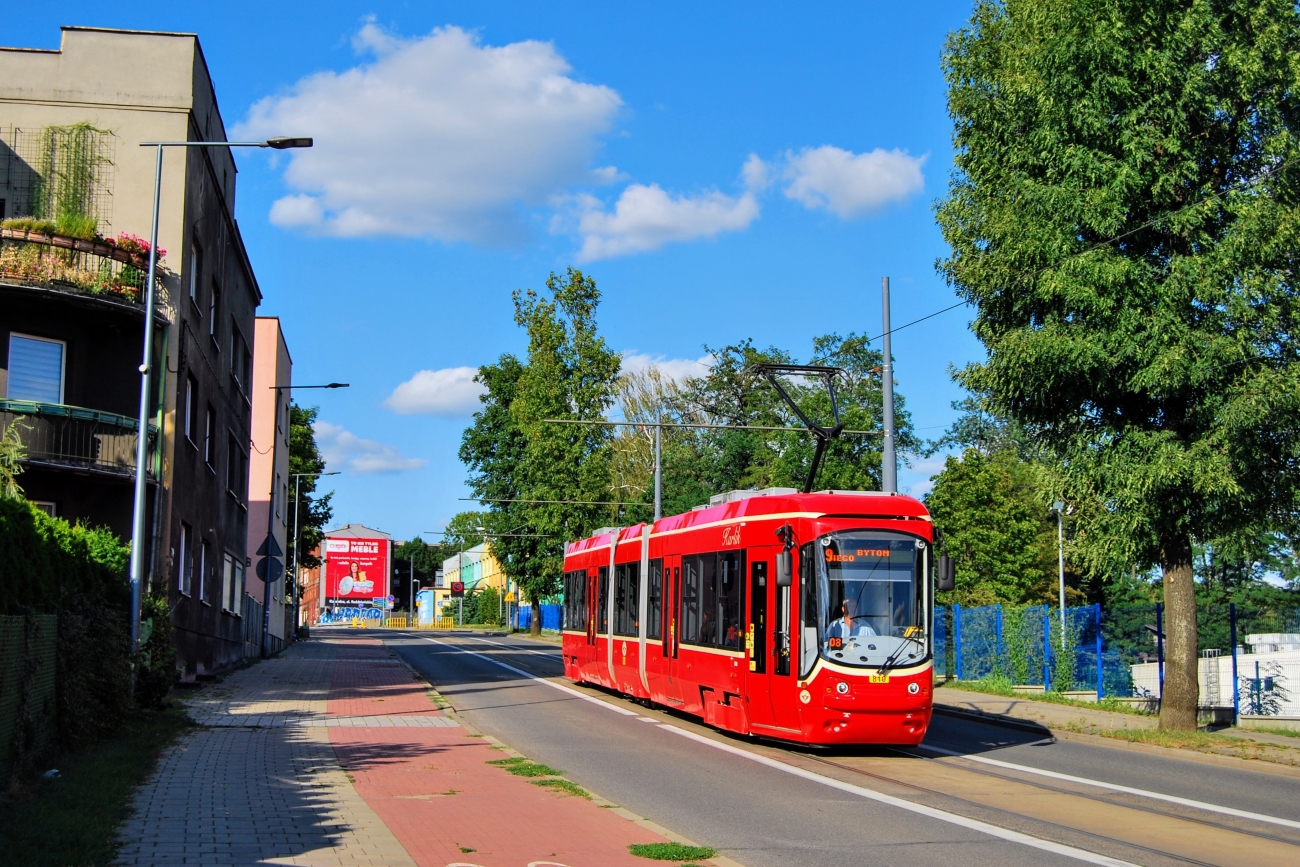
x=946, y=579
x=784, y=569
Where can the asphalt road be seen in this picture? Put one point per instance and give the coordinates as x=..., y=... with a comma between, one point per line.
x=1045, y=802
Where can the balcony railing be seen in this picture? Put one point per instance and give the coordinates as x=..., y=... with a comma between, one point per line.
x=77, y=438
x=33, y=258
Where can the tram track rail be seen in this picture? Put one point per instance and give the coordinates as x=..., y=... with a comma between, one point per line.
x=973, y=809
x=1291, y=841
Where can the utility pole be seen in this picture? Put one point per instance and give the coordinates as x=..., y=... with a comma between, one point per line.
x=889, y=461
x=1059, y=508
x=659, y=473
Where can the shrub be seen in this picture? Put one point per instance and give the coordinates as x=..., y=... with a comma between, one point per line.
x=156, y=661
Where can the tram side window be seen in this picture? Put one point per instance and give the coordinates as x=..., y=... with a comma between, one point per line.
x=688, y=631
x=602, y=600
x=712, y=596
x=575, y=599
x=627, y=596
x=809, y=640
x=655, y=598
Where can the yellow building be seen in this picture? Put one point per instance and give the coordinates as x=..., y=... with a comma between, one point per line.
x=478, y=569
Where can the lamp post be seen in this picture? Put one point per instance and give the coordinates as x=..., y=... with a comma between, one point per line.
x=1059, y=508
x=146, y=367
x=269, y=544
x=297, y=595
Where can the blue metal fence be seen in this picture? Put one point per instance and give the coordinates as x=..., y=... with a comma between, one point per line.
x=551, y=615
x=1027, y=645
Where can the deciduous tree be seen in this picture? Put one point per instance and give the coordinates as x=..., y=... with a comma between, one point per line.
x=1123, y=216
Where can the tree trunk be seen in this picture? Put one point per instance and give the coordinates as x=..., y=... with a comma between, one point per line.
x=1178, y=703
x=535, y=629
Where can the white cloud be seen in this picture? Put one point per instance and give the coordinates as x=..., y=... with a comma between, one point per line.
x=437, y=136
x=918, y=479
x=450, y=391
x=756, y=173
x=679, y=369
x=849, y=184
x=645, y=218
x=343, y=449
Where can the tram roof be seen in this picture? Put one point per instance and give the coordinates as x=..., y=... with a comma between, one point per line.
x=871, y=504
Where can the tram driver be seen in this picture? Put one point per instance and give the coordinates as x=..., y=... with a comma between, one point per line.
x=849, y=626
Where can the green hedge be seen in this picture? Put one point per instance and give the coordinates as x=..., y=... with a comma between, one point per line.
x=48, y=565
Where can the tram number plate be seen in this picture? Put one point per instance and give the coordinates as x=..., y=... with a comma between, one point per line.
x=880, y=678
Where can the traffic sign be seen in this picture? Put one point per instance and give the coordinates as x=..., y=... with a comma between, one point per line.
x=271, y=565
x=458, y=588
x=510, y=597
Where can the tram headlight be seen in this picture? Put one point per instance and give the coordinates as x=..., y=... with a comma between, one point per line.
x=913, y=688
x=842, y=688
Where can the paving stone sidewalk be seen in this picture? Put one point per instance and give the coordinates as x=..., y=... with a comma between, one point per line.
x=333, y=754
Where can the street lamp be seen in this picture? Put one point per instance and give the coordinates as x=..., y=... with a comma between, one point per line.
x=1059, y=508
x=142, y=436
x=297, y=595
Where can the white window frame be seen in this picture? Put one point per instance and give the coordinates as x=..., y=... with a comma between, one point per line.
x=49, y=507
x=203, y=571
x=190, y=387
x=227, y=580
x=209, y=421
x=184, y=564
x=63, y=360
x=196, y=258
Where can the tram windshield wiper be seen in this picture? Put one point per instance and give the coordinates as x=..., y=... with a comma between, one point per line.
x=912, y=633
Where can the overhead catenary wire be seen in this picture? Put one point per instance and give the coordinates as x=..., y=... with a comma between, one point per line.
x=663, y=424
x=555, y=502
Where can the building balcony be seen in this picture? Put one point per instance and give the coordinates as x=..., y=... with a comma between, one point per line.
x=66, y=265
x=77, y=439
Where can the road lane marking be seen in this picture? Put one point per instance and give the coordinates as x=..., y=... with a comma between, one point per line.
x=861, y=791
x=1173, y=799
x=552, y=685
x=514, y=647
x=910, y=806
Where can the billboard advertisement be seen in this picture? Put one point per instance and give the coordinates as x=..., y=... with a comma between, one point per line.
x=356, y=571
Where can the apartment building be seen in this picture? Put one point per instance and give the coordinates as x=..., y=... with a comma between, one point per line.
x=266, y=603
x=76, y=186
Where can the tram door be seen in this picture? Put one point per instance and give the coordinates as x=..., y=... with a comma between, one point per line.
x=589, y=656
x=773, y=689
x=672, y=595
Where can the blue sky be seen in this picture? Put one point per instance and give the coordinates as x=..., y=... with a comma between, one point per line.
x=724, y=171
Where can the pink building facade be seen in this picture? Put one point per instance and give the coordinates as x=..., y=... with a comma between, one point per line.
x=268, y=492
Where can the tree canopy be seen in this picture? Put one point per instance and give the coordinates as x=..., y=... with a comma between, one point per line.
x=1123, y=217
x=515, y=453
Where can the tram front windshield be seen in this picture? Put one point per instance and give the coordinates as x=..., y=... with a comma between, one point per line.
x=869, y=600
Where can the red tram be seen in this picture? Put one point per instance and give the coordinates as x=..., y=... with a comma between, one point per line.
x=801, y=617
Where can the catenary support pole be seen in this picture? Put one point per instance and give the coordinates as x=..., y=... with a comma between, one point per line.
x=659, y=473
x=270, y=536
x=1232, y=637
x=142, y=431
x=1060, y=561
x=1160, y=649
x=889, y=461
x=297, y=590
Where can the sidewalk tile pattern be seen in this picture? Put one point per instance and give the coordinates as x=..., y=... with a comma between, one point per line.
x=331, y=754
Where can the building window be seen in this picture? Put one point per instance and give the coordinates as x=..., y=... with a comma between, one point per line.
x=208, y=457
x=238, y=595
x=236, y=469
x=241, y=361
x=276, y=501
x=184, y=564
x=203, y=570
x=46, y=506
x=196, y=257
x=213, y=303
x=191, y=405
x=227, y=582
x=36, y=369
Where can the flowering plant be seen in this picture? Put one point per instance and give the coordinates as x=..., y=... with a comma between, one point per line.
x=133, y=244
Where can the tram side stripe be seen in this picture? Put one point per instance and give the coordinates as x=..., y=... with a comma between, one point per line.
x=1173, y=799
x=522, y=673
x=860, y=791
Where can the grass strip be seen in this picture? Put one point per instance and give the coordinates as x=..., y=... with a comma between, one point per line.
x=671, y=851
x=564, y=786
x=73, y=820
x=994, y=686
x=525, y=768
x=1272, y=730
